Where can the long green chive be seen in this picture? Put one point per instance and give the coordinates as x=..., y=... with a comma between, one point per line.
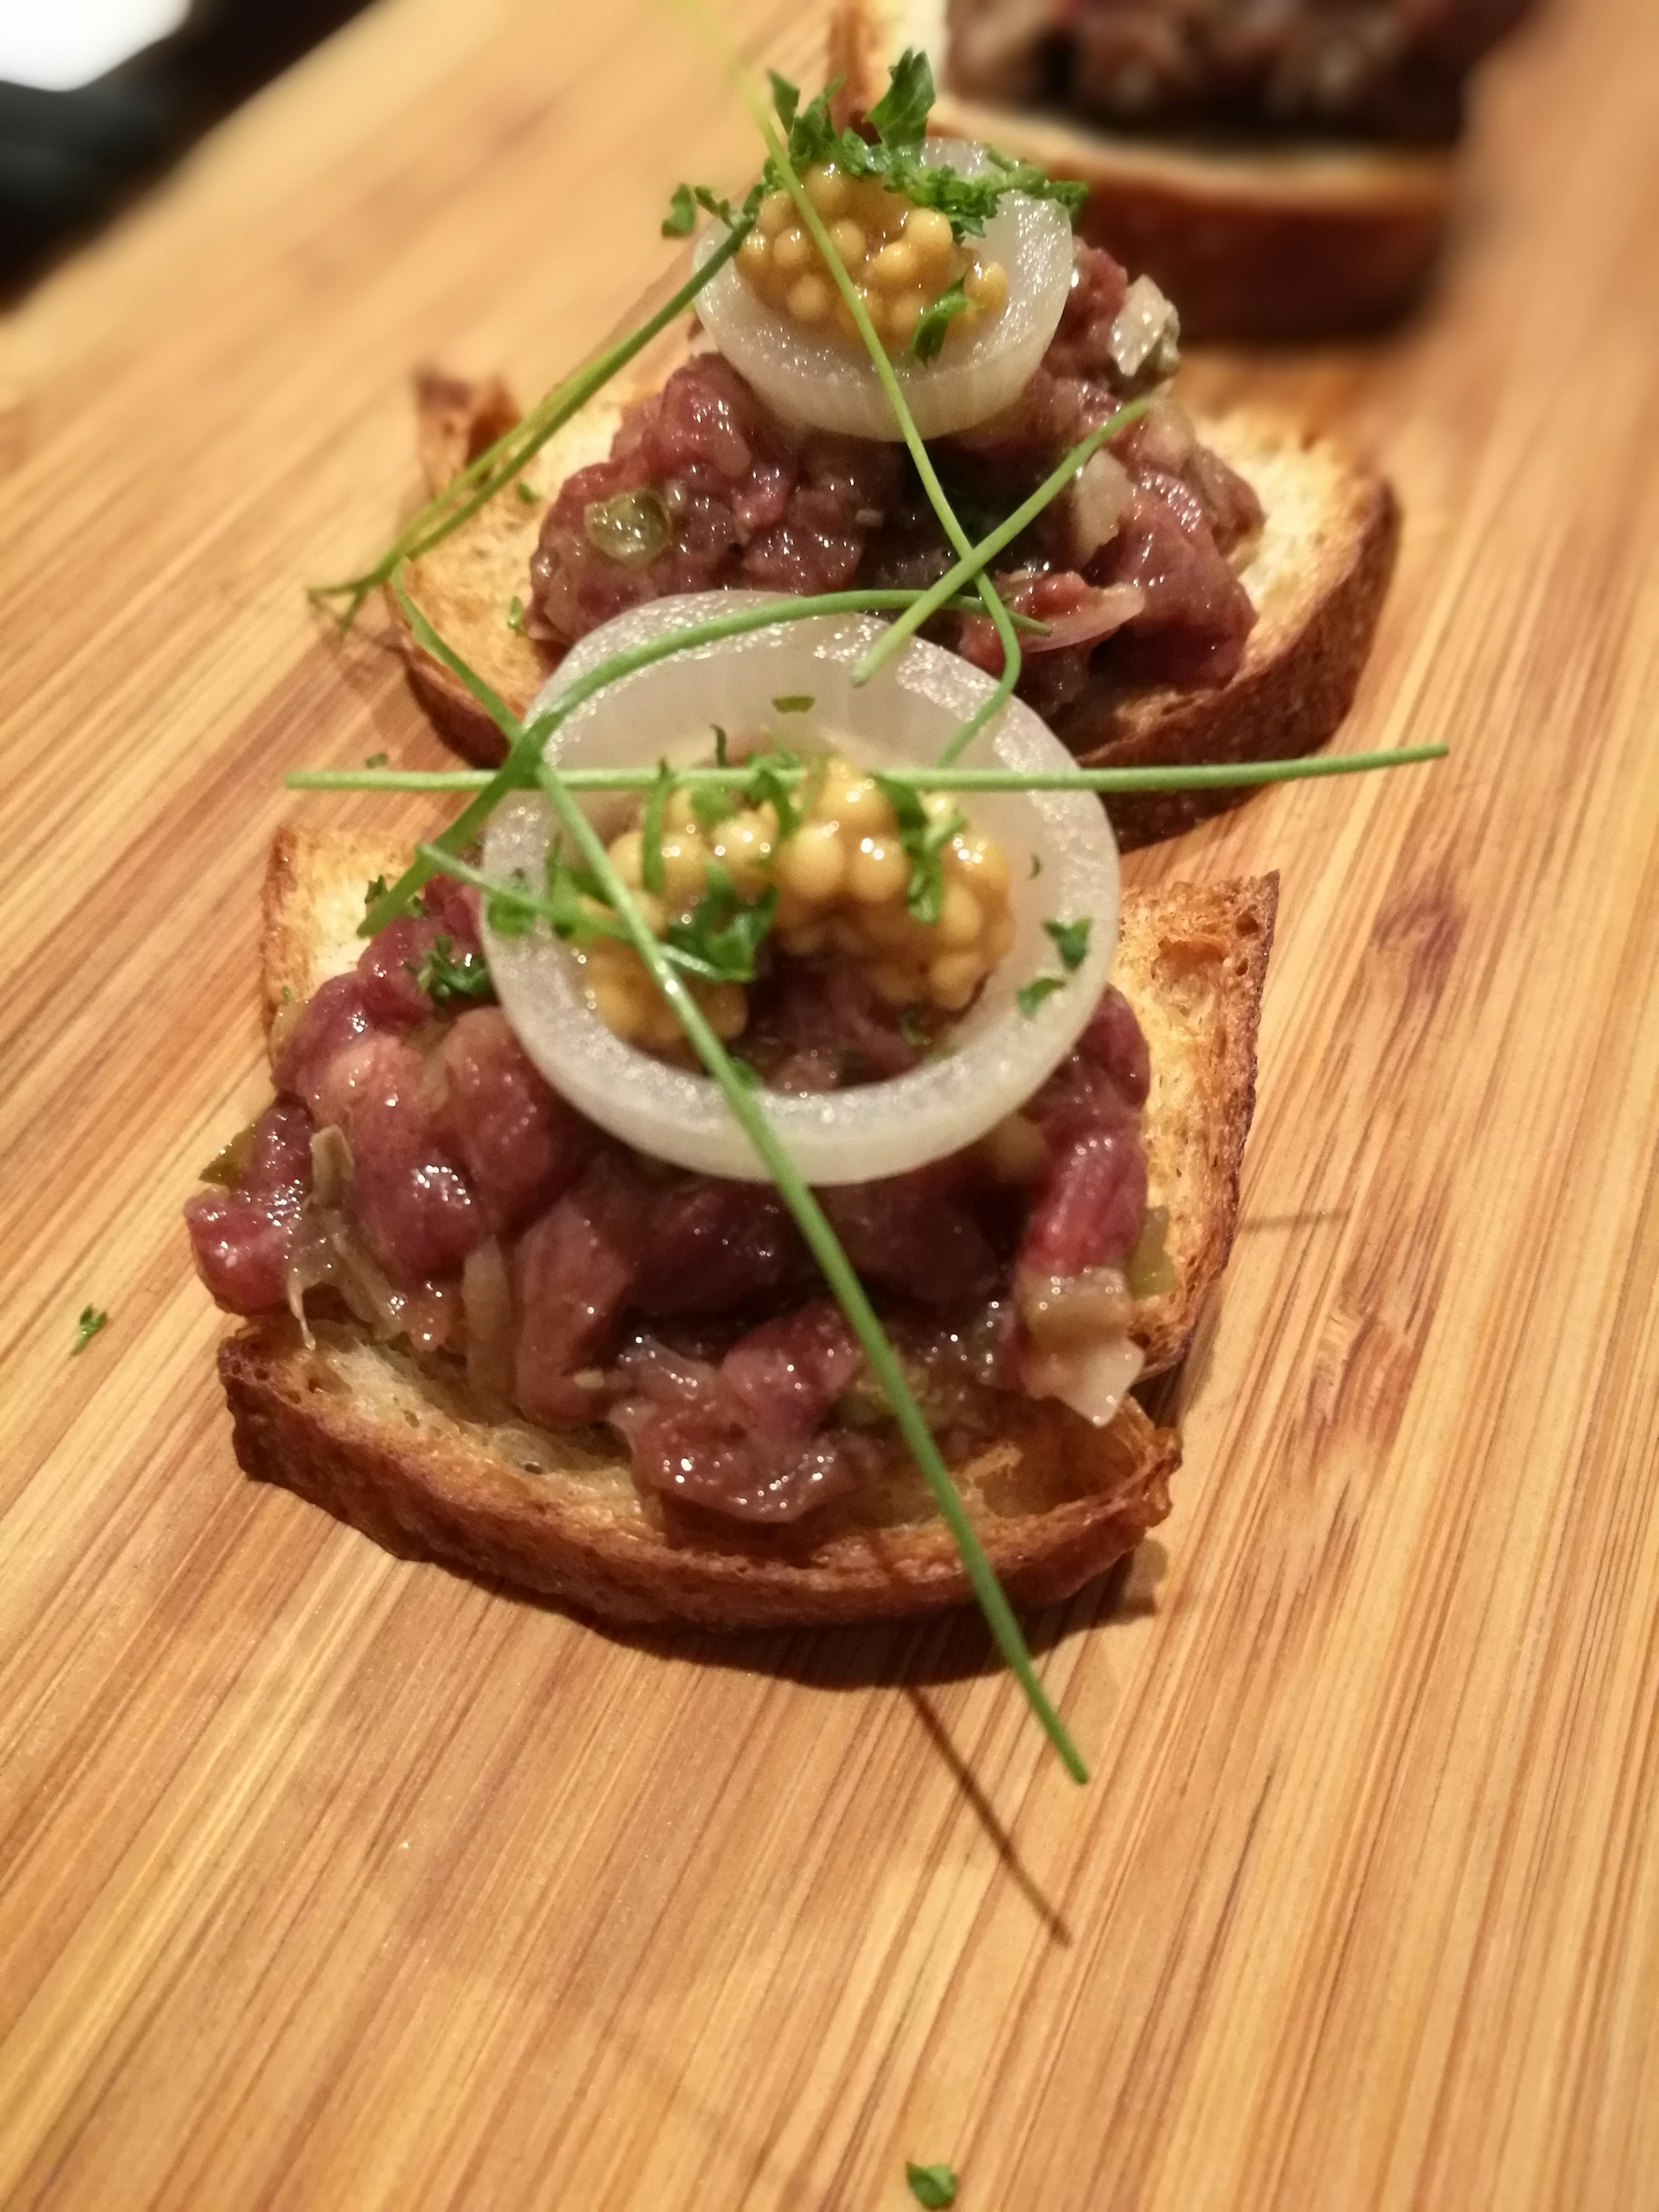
x=496, y=466
x=1216, y=776
x=929, y=602
x=825, y=1248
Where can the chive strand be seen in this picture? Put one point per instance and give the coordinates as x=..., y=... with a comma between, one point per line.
x=1216, y=776
x=929, y=603
x=838, y=1272
x=497, y=466
x=913, y=438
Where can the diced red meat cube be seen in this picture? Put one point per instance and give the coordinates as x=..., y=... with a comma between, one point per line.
x=521, y=1145
x=1115, y=1043
x=712, y=1245
x=241, y=1238
x=572, y=1271
x=917, y=1235
x=1088, y=1212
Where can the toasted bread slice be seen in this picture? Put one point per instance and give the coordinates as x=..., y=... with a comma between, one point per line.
x=397, y=1448
x=1316, y=574
x=1288, y=239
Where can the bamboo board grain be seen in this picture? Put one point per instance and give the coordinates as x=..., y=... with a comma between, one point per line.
x=330, y=1880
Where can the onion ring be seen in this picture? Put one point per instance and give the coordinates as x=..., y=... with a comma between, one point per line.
x=999, y=1055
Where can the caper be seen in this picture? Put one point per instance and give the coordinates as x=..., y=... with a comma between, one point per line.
x=631, y=526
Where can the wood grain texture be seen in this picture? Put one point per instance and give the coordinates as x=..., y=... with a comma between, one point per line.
x=330, y=1880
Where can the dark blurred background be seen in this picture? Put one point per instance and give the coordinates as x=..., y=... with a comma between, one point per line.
x=98, y=96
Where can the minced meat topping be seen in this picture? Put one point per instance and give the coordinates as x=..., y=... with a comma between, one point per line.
x=417, y=1172
x=1136, y=555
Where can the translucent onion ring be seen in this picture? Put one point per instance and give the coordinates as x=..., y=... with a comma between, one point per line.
x=832, y=386
x=999, y=1056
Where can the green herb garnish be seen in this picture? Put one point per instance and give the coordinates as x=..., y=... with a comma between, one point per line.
x=374, y=894
x=934, y=323
x=899, y=120
x=934, y=2186
x=505, y=914
x=912, y=1029
x=527, y=492
x=92, y=1318
x=1030, y=996
x=376, y=760
x=725, y=932
x=793, y=702
x=651, y=830
x=446, y=980
x=924, y=838
x=681, y=213
x=1071, y=942
x=515, y=614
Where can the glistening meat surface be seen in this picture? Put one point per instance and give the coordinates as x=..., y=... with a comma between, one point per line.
x=744, y=500
x=502, y=1227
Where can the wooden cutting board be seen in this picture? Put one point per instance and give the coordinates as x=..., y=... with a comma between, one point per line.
x=330, y=1880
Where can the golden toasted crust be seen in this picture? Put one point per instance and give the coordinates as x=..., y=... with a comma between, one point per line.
x=365, y=1434
x=1192, y=961
x=1290, y=241
x=400, y=1452
x=1316, y=576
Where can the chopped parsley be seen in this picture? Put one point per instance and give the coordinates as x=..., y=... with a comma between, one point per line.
x=711, y=804
x=924, y=839
x=526, y=492
x=506, y=913
x=515, y=614
x=1030, y=996
x=445, y=979
x=899, y=120
x=934, y=322
x=724, y=933
x=92, y=1318
x=1071, y=941
x=912, y=1029
x=793, y=702
x=376, y=760
x=685, y=199
x=932, y=2185
x=377, y=889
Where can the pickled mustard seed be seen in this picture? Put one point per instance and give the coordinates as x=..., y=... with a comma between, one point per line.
x=92, y=1318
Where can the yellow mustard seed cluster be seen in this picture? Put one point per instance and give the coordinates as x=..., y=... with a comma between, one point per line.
x=901, y=258
x=841, y=876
